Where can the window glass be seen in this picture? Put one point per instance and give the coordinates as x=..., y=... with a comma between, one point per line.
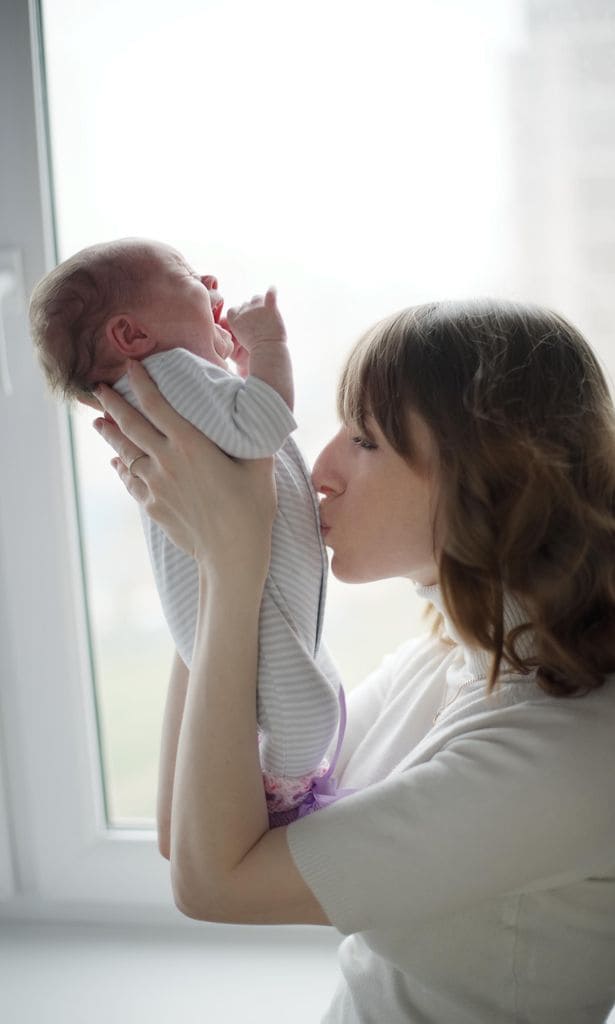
x=362, y=159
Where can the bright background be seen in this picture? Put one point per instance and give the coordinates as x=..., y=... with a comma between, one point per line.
x=363, y=158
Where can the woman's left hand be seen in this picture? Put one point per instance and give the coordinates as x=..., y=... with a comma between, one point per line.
x=217, y=509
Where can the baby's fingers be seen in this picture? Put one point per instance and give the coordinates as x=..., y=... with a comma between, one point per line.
x=271, y=297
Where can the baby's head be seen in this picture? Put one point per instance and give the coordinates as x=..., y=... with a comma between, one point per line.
x=122, y=300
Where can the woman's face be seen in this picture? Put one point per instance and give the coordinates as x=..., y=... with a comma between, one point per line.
x=377, y=511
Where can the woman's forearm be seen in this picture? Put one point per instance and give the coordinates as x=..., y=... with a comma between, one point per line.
x=219, y=810
x=173, y=713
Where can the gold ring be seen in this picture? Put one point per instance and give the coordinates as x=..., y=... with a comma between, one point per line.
x=132, y=462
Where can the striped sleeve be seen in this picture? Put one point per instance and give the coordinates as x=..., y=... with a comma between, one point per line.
x=246, y=418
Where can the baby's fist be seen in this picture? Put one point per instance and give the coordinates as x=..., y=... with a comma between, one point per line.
x=257, y=322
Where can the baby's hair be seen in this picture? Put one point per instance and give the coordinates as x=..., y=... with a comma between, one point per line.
x=70, y=306
x=524, y=427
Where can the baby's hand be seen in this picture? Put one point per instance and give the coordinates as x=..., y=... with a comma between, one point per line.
x=257, y=322
x=258, y=330
x=241, y=358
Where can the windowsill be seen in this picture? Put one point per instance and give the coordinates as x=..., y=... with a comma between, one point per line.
x=68, y=973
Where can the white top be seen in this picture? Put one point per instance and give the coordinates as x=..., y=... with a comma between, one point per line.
x=475, y=873
x=297, y=699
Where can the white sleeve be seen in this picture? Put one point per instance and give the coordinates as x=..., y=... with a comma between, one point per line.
x=523, y=801
x=248, y=419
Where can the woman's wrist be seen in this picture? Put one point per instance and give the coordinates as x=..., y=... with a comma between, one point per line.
x=231, y=582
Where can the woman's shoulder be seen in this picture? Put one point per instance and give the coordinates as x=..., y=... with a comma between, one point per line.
x=573, y=736
x=519, y=696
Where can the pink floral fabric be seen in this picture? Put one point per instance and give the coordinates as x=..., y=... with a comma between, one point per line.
x=284, y=794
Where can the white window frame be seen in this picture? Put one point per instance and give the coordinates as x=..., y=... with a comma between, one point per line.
x=58, y=858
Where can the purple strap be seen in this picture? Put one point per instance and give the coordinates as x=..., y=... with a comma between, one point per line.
x=324, y=790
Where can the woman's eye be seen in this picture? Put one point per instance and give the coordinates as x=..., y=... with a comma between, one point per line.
x=362, y=443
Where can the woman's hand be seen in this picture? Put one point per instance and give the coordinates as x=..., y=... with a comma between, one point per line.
x=217, y=509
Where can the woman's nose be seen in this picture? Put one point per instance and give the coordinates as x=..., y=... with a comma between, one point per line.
x=210, y=282
x=325, y=477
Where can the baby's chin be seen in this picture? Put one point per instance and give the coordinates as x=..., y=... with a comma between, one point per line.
x=216, y=351
x=223, y=344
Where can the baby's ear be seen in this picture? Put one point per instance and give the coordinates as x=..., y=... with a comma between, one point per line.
x=126, y=336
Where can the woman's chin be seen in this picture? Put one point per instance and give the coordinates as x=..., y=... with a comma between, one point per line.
x=346, y=573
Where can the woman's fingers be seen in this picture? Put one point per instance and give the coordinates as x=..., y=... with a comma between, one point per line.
x=159, y=420
x=111, y=433
x=131, y=423
x=154, y=405
x=135, y=487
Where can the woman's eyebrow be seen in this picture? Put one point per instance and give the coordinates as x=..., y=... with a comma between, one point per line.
x=355, y=426
x=368, y=426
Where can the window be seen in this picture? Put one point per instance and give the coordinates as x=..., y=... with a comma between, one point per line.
x=363, y=164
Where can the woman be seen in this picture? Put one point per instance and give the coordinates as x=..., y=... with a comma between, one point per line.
x=474, y=871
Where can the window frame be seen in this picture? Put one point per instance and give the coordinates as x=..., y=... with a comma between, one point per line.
x=58, y=858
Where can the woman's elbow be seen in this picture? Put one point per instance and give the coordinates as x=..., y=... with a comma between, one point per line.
x=202, y=912
x=201, y=908
x=190, y=911
x=164, y=844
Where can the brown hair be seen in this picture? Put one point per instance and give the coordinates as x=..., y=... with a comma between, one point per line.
x=70, y=306
x=525, y=431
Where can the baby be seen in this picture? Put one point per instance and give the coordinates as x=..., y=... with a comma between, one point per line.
x=136, y=299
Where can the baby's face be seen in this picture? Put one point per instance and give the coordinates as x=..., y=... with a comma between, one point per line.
x=183, y=308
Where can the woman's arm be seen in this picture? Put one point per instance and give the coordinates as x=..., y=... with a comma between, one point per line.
x=173, y=713
x=225, y=864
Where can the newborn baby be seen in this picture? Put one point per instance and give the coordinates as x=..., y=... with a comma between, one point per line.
x=136, y=299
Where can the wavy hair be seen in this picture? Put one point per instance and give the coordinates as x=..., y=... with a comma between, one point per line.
x=524, y=427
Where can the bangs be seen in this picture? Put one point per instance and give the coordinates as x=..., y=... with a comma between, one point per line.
x=376, y=381
x=354, y=398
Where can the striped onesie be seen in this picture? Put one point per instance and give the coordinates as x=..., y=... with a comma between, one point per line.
x=298, y=686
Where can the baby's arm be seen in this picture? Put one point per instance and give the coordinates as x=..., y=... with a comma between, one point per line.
x=259, y=328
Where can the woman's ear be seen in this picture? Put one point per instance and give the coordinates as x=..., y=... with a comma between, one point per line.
x=127, y=337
